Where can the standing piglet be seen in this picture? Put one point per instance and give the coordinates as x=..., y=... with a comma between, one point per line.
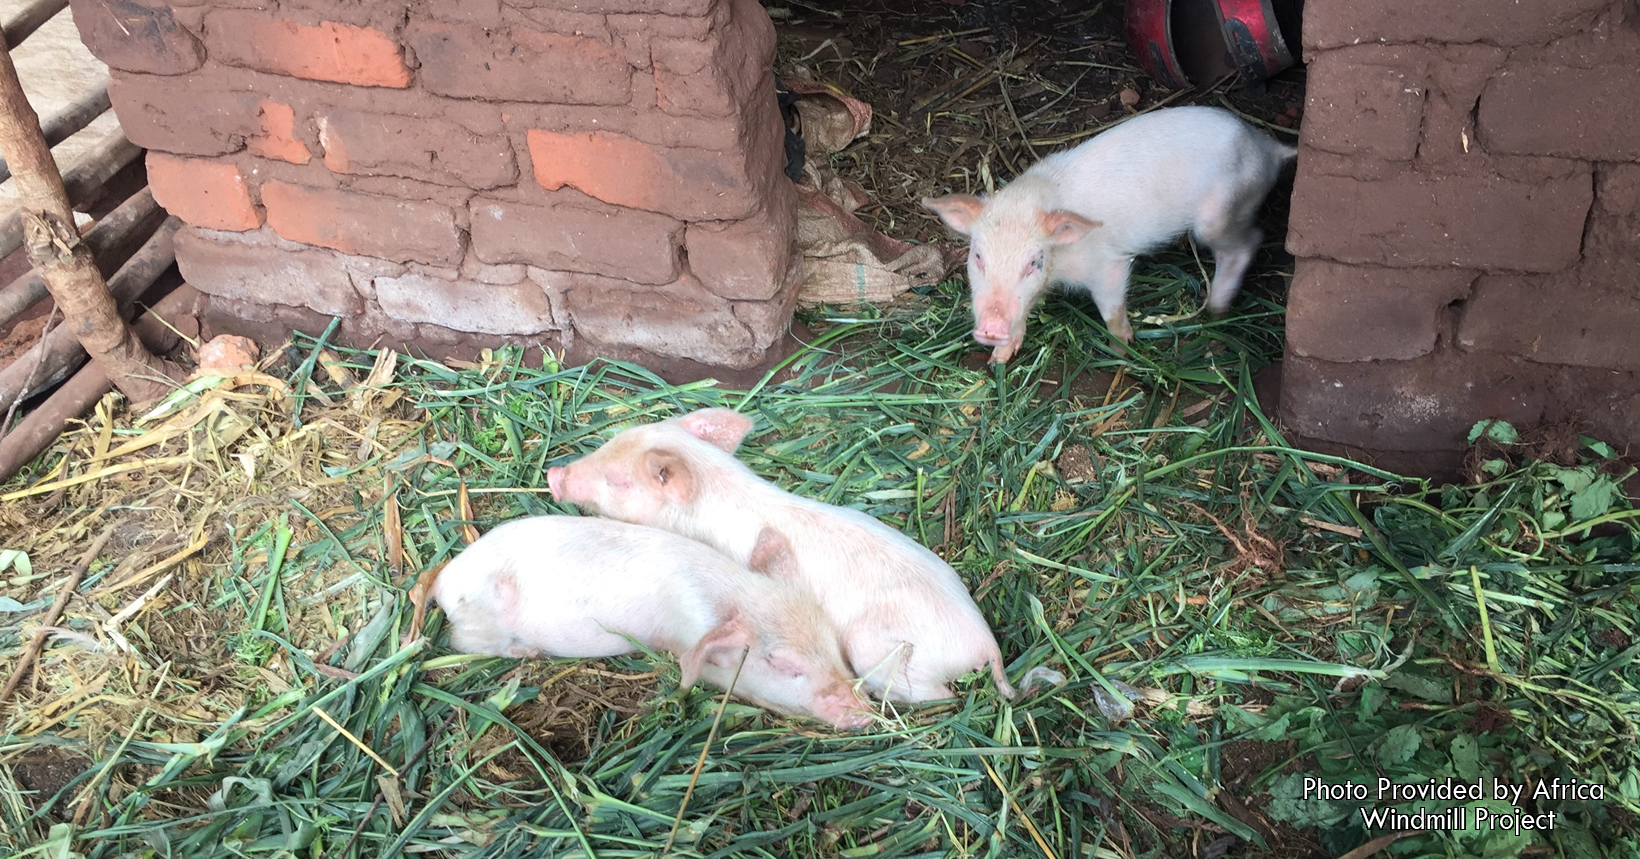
x=578, y=587
x=908, y=625
x=1079, y=217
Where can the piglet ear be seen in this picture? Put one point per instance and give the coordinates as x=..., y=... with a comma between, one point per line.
x=723, y=641
x=772, y=555
x=720, y=428
x=1065, y=227
x=958, y=211
x=671, y=474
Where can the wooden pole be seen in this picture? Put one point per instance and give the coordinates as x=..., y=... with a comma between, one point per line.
x=22, y=443
x=62, y=258
x=58, y=353
x=136, y=218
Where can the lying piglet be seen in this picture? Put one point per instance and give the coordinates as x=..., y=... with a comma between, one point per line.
x=908, y=625
x=576, y=586
x=1079, y=217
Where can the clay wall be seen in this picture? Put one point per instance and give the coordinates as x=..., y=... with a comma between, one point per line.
x=598, y=175
x=1466, y=218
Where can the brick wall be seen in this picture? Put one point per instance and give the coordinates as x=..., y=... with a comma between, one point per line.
x=598, y=175
x=1466, y=219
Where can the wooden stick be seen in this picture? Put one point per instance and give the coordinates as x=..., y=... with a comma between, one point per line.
x=36, y=432
x=70, y=120
x=83, y=182
x=701, y=763
x=63, y=351
x=137, y=216
x=56, y=249
x=24, y=23
x=57, y=607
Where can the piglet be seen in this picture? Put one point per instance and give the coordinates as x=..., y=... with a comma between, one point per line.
x=575, y=586
x=908, y=625
x=1079, y=217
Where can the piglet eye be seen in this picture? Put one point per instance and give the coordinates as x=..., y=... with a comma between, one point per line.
x=1033, y=265
x=979, y=262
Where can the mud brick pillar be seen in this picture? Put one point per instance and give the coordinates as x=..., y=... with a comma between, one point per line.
x=1466, y=219
x=602, y=176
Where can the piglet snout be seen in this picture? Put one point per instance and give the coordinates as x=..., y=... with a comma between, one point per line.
x=843, y=706
x=555, y=482
x=993, y=330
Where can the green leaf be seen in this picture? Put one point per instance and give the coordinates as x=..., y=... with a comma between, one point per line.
x=1594, y=499
x=1288, y=803
x=1600, y=448
x=1495, y=467
x=59, y=843
x=1419, y=686
x=1498, y=431
x=1575, y=479
x=1276, y=730
x=1466, y=757
x=1399, y=745
x=1238, y=720
x=1372, y=697
x=1629, y=787
x=1362, y=581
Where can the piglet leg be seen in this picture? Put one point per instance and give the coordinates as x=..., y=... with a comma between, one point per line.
x=1109, y=288
x=1226, y=226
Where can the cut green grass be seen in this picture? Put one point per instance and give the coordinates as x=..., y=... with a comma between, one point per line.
x=1127, y=517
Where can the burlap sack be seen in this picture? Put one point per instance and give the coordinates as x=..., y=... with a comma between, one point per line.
x=844, y=260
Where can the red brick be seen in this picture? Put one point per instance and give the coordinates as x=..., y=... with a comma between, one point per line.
x=760, y=120
x=209, y=194
x=1429, y=403
x=185, y=114
x=690, y=184
x=1335, y=23
x=137, y=36
x=1611, y=245
x=432, y=150
x=1367, y=100
x=465, y=61
x=484, y=13
x=328, y=51
x=1343, y=313
x=770, y=320
x=1455, y=84
x=1474, y=217
x=679, y=320
x=278, y=139
x=747, y=259
x=563, y=21
x=371, y=329
x=1563, y=111
x=1613, y=40
x=1554, y=319
x=638, y=246
x=256, y=268
x=463, y=305
x=384, y=227
x=715, y=75
x=474, y=269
